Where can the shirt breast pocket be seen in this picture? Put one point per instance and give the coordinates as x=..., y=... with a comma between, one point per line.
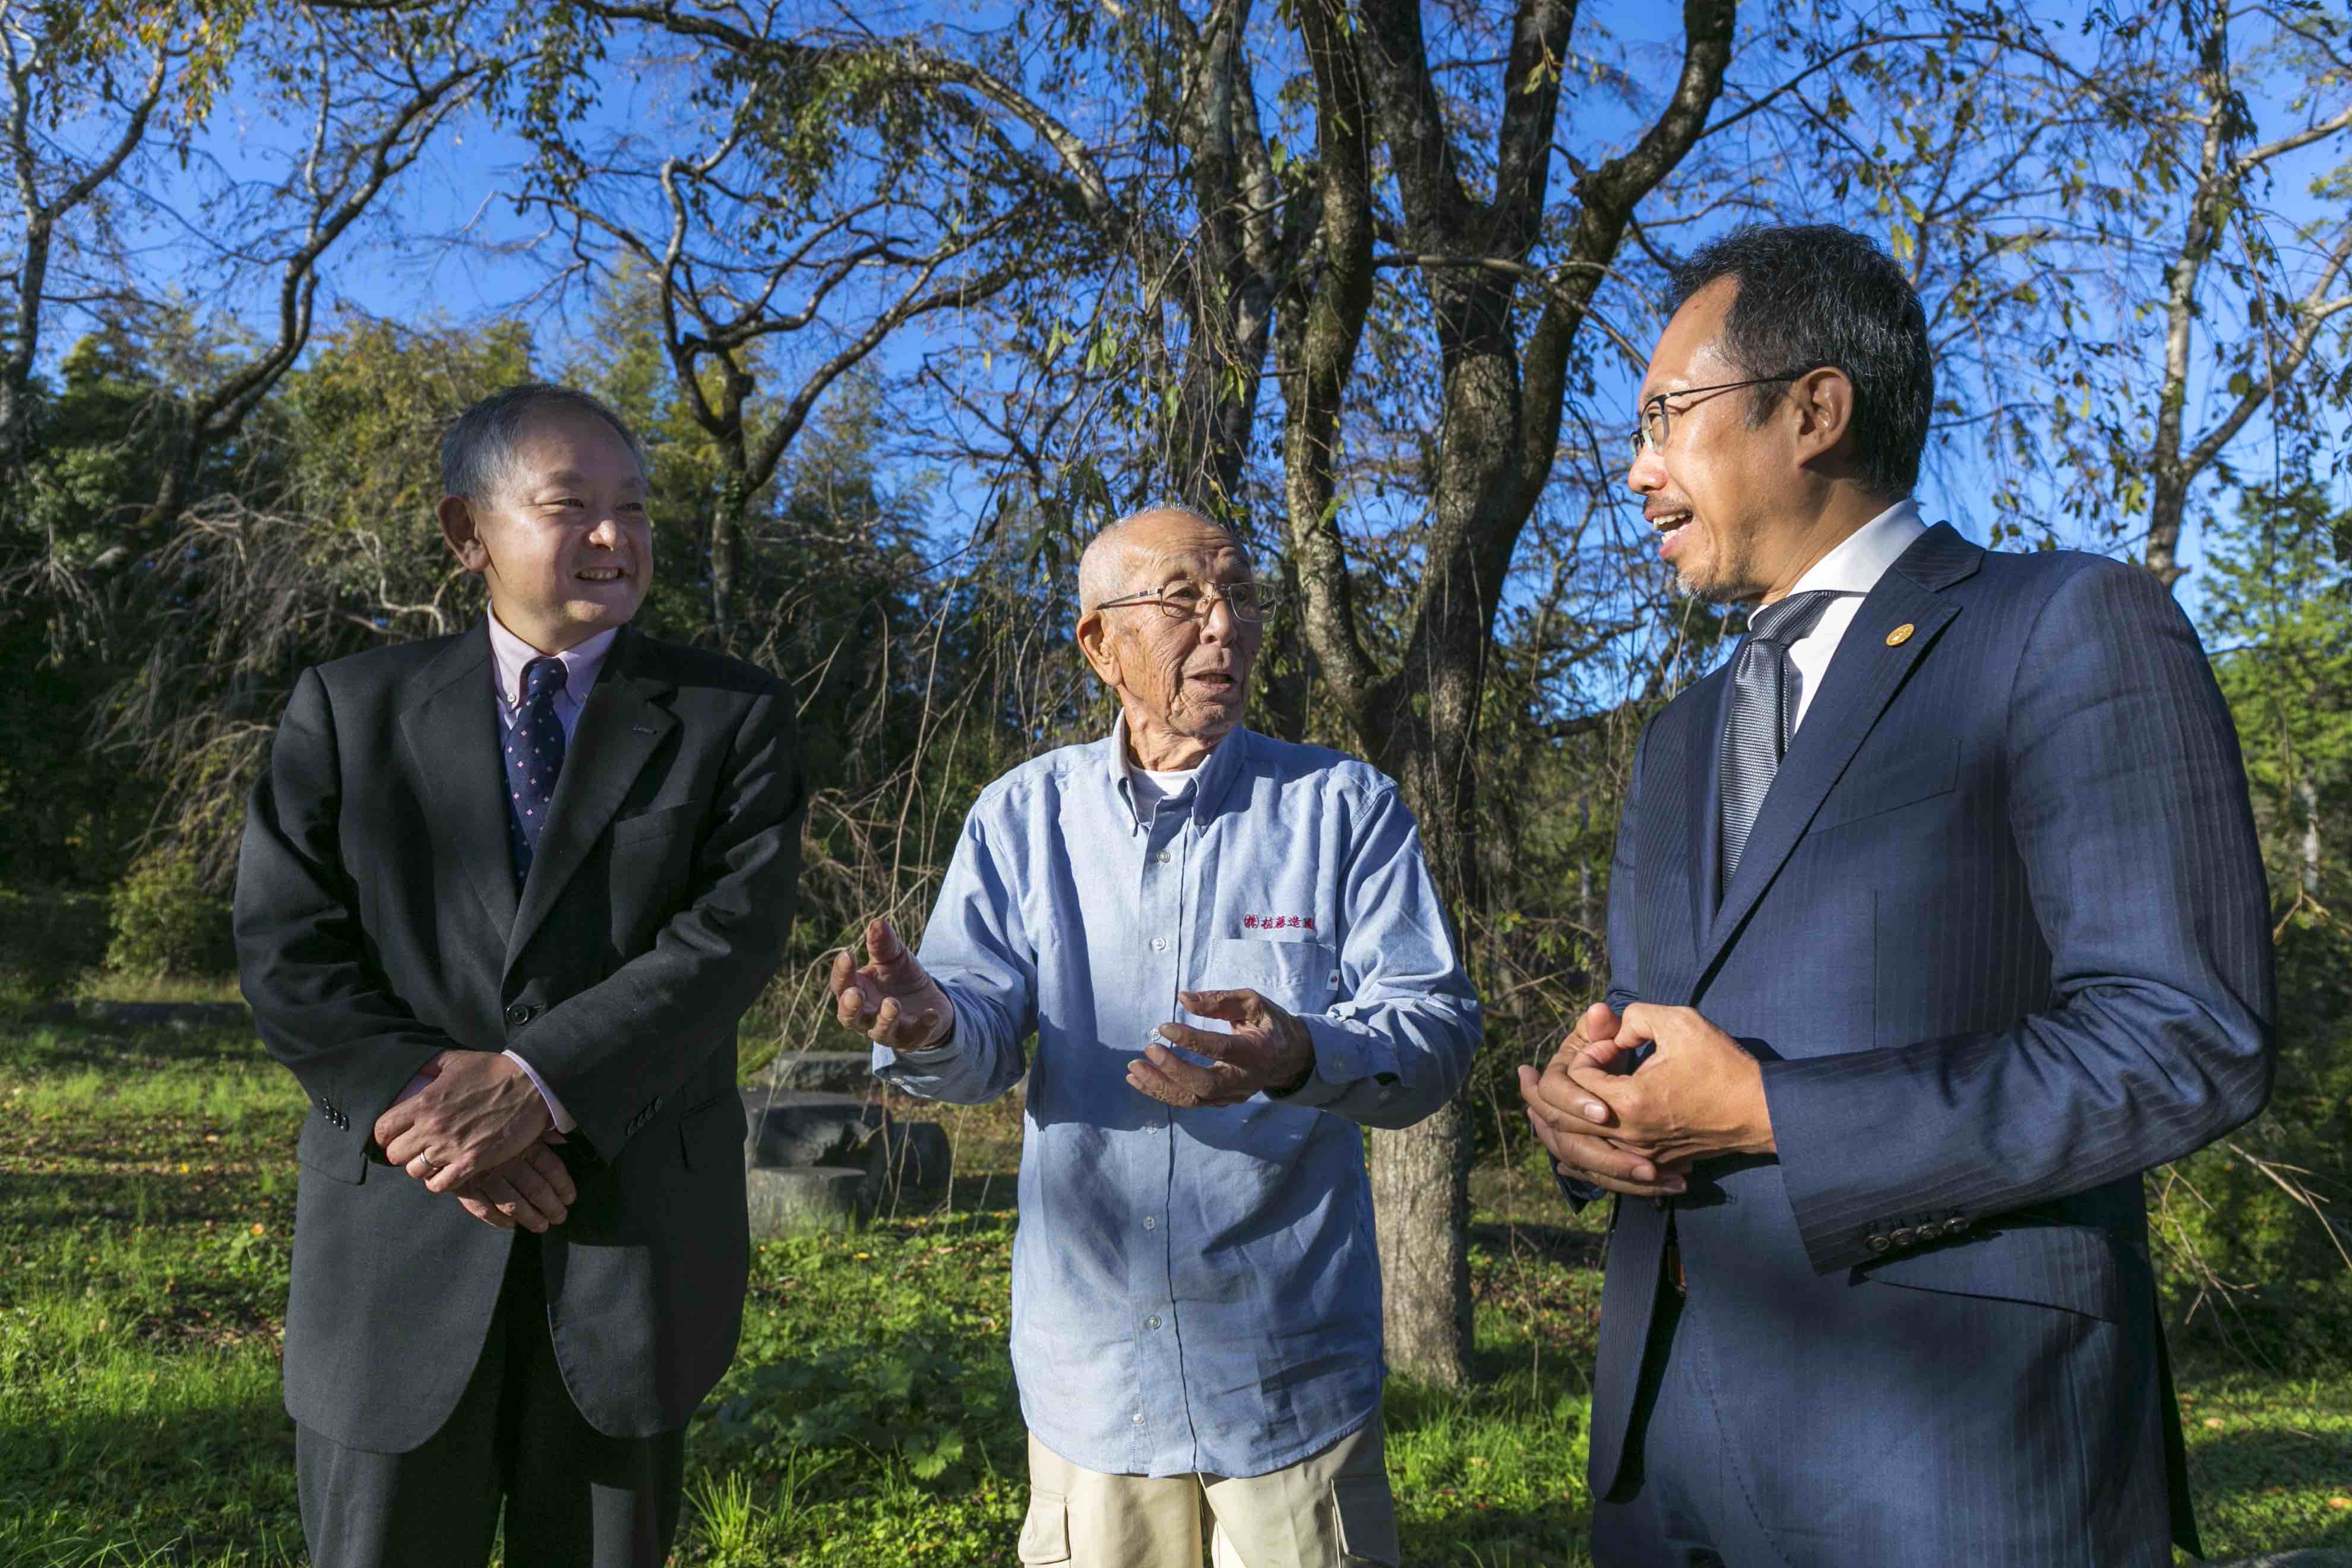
x=1302, y=976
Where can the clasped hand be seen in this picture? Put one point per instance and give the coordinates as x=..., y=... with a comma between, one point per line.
x=480, y=1133
x=1636, y=1131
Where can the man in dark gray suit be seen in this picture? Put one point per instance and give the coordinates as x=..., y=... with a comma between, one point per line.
x=1936, y=918
x=503, y=899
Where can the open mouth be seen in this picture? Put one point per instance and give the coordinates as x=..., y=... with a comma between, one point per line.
x=600, y=574
x=1215, y=679
x=1670, y=526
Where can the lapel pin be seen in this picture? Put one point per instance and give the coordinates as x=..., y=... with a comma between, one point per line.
x=1900, y=635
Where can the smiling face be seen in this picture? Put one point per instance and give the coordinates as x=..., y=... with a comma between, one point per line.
x=564, y=544
x=1183, y=684
x=1716, y=491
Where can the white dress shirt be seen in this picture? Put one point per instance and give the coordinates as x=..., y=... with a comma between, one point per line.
x=1851, y=570
x=582, y=664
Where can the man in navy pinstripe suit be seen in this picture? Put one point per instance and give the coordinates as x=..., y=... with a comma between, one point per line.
x=1936, y=918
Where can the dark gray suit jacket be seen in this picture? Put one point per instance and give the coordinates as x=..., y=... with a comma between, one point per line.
x=378, y=922
x=2000, y=938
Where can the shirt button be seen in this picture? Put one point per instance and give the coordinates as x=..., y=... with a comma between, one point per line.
x=1153, y=1321
x=1150, y=1222
x=1158, y=944
x=1152, y=1128
x=1163, y=858
x=1138, y=1418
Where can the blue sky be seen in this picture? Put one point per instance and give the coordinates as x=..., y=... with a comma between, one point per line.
x=482, y=257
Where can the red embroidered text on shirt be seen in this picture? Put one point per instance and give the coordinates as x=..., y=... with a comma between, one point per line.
x=1278, y=923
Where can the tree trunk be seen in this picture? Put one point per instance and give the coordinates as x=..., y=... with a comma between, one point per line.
x=1420, y=1190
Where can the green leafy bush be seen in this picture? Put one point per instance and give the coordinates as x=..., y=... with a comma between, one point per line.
x=49, y=938
x=166, y=923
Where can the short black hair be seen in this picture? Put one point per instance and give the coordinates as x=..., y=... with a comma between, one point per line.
x=478, y=448
x=1813, y=294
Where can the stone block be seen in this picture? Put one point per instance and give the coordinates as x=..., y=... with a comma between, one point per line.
x=790, y=1128
x=906, y=1168
x=823, y=1073
x=804, y=1201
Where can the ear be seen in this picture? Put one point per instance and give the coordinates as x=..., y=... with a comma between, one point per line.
x=1824, y=400
x=457, y=531
x=1094, y=641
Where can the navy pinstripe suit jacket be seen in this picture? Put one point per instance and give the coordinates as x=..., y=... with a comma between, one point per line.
x=2000, y=938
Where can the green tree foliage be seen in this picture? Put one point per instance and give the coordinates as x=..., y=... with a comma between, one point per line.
x=2257, y=1230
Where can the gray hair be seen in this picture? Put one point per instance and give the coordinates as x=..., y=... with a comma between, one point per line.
x=478, y=452
x=1107, y=567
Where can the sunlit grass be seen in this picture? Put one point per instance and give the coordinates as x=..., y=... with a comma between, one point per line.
x=146, y=1202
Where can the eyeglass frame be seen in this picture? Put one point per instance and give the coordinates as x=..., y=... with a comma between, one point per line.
x=1640, y=438
x=1268, y=596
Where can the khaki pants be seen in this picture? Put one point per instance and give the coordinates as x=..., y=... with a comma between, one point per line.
x=1328, y=1510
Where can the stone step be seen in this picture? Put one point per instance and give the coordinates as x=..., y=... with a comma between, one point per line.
x=823, y=1073
x=808, y=1201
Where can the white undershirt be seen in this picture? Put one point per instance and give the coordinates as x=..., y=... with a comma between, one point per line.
x=1851, y=570
x=1153, y=786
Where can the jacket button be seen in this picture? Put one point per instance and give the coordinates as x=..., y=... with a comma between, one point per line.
x=1903, y=1235
x=1878, y=1241
x=1953, y=1225
x=521, y=1013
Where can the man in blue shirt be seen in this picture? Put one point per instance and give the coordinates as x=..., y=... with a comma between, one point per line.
x=1232, y=954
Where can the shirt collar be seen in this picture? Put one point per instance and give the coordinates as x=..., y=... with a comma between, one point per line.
x=1213, y=777
x=1863, y=557
x=581, y=661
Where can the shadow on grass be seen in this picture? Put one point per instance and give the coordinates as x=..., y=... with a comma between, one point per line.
x=29, y=1041
x=2273, y=1488
x=190, y=1484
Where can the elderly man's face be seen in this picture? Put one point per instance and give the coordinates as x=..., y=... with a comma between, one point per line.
x=565, y=545
x=1177, y=677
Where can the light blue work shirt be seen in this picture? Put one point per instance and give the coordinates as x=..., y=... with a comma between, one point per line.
x=1193, y=1290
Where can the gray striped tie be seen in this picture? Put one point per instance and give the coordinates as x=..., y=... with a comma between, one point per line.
x=1755, y=737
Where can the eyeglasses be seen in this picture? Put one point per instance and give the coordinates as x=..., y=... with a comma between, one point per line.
x=1192, y=601
x=1657, y=419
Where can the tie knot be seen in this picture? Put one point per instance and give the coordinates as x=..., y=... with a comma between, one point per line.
x=1790, y=619
x=543, y=678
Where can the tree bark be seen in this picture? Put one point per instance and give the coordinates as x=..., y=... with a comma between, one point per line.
x=1498, y=433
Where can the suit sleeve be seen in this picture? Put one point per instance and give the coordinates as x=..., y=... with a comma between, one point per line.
x=977, y=949
x=321, y=1005
x=613, y=1051
x=2128, y=806
x=1624, y=948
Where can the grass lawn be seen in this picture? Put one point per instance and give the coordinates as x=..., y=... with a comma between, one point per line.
x=147, y=1203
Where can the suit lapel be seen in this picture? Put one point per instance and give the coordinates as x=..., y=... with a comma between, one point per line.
x=1861, y=681
x=451, y=733
x=618, y=732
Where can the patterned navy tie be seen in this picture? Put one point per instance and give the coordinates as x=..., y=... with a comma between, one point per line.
x=534, y=759
x=1757, y=736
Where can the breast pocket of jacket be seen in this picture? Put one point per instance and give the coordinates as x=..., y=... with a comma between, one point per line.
x=653, y=827
x=1919, y=772
x=1301, y=976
